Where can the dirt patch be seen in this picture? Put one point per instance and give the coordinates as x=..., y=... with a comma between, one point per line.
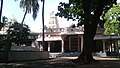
x=64, y=62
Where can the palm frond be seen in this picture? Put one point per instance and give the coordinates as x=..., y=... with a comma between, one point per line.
x=30, y=6
x=22, y=4
x=35, y=8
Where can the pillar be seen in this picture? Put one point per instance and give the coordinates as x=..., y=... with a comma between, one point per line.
x=69, y=43
x=116, y=45
x=49, y=46
x=111, y=46
x=78, y=44
x=103, y=46
x=81, y=43
x=62, y=47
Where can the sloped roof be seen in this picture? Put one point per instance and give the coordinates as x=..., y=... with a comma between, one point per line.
x=71, y=33
x=106, y=37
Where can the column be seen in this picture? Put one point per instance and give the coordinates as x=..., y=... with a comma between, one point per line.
x=69, y=43
x=62, y=45
x=116, y=45
x=111, y=46
x=49, y=46
x=81, y=43
x=103, y=46
x=78, y=44
x=62, y=48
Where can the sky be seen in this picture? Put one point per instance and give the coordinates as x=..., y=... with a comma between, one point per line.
x=11, y=8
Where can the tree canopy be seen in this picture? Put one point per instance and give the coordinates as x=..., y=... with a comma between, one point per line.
x=18, y=34
x=15, y=34
x=75, y=9
x=112, y=20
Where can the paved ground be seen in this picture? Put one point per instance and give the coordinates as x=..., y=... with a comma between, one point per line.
x=64, y=62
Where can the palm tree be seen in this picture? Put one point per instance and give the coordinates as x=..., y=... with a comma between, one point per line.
x=1, y=13
x=28, y=6
x=1, y=10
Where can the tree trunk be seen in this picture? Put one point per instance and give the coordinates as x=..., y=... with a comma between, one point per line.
x=88, y=43
x=24, y=17
x=86, y=55
x=43, y=41
x=1, y=24
x=1, y=10
x=90, y=27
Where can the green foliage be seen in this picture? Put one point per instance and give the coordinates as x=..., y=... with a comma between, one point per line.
x=1, y=25
x=4, y=20
x=18, y=34
x=75, y=9
x=2, y=36
x=2, y=42
x=30, y=5
x=114, y=11
x=111, y=26
x=69, y=10
x=112, y=22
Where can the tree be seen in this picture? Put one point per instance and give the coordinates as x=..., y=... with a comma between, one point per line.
x=18, y=36
x=1, y=24
x=28, y=6
x=33, y=4
x=1, y=6
x=88, y=12
x=112, y=20
x=14, y=36
x=2, y=36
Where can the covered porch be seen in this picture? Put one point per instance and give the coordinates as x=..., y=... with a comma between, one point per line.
x=65, y=42
x=109, y=44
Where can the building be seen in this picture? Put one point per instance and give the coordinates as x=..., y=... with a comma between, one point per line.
x=71, y=39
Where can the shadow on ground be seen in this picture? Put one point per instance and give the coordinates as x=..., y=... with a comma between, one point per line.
x=64, y=62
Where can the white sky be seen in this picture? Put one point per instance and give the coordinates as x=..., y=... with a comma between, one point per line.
x=10, y=8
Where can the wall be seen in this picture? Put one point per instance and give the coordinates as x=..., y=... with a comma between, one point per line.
x=27, y=55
